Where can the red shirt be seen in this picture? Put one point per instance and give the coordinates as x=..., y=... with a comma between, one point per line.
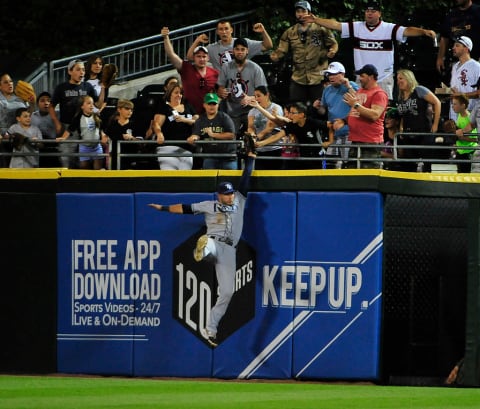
x=361, y=128
x=195, y=86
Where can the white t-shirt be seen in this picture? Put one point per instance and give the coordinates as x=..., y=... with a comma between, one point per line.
x=464, y=79
x=374, y=46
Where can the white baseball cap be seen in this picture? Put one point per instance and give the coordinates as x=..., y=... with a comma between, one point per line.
x=466, y=41
x=334, y=68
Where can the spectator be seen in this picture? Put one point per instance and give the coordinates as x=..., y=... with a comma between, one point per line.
x=9, y=103
x=120, y=127
x=465, y=72
x=305, y=130
x=261, y=127
x=373, y=41
x=366, y=118
x=415, y=105
x=237, y=82
x=464, y=140
x=174, y=121
x=172, y=79
x=23, y=136
x=198, y=79
x=221, y=52
x=392, y=128
x=310, y=45
x=473, y=123
x=41, y=118
x=463, y=20
x=86, y=123
x=332, y=104
x=215, y=125
x=67, y=96
x=93, y=75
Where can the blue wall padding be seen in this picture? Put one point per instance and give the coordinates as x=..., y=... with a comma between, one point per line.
x=308, y=288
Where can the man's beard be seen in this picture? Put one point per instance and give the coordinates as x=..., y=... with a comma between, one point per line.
x=239, y=61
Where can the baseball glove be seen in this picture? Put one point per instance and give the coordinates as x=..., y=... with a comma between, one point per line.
x=109, y=73
x=449, y=126
x=18, y=140
x=249, y=143
x=25, y=91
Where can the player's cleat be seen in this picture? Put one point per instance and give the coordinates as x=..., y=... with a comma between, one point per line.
x=209, y=336
x=201, y=244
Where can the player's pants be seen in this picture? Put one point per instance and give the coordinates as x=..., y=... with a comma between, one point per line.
x=225, y=265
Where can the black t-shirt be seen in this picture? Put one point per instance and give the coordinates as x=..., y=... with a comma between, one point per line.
x=67, y=96
x=311, y=132
x=173, y=130
x=463, y=23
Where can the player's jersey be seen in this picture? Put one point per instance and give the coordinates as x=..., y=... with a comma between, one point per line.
x=223, y=220
x=374, y=46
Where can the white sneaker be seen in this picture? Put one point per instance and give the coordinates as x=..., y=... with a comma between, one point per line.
x=201, y=244
x=209, y=336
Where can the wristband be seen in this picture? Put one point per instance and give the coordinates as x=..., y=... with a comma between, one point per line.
x=165, y=208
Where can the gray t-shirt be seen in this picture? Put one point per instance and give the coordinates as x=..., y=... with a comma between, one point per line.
x=240, y=83
x=221, y=54
x=46, y=125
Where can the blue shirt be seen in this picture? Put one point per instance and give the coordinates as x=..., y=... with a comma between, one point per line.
x=332, y=99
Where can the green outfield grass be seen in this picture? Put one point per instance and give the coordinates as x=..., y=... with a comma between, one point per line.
x=55, y=392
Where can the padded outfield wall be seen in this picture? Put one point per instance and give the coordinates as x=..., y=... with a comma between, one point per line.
x=340, y=275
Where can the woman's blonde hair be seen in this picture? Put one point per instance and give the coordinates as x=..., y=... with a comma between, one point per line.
x=411, y=80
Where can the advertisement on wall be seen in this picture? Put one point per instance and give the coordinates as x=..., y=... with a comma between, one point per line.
x=307, y=288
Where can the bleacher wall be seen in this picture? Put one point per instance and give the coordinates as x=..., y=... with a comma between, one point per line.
x=341, y=275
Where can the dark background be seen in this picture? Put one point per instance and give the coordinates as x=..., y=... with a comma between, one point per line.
x=37, y=31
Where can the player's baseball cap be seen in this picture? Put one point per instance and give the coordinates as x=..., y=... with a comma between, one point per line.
x=368, y=69
x=200, y=48
x=210, y=98
x=466, y=41
x=334, y=68
x=225, y=188
x=373, y=5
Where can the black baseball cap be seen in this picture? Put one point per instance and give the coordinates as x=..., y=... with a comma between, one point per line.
x=240, y=41
x=368, y=69
x=225, y=188
x=373, y=5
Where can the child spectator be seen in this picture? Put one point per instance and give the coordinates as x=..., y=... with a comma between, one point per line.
x=42, y=119
x=86, y=123
x=23, y=136
x=459, y=106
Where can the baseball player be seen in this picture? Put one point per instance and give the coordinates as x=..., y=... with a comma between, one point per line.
x=224, y=220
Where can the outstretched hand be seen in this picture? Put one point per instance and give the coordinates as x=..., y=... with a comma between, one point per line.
x=165, y=32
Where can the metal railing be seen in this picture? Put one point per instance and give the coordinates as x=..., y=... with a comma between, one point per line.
x=438, y=158
x=139, y=58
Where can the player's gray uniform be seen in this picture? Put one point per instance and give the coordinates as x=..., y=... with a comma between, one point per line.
x=224, y=228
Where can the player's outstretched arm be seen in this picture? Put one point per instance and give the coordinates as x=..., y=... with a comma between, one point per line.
x=176, y=208
x=247, y=171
